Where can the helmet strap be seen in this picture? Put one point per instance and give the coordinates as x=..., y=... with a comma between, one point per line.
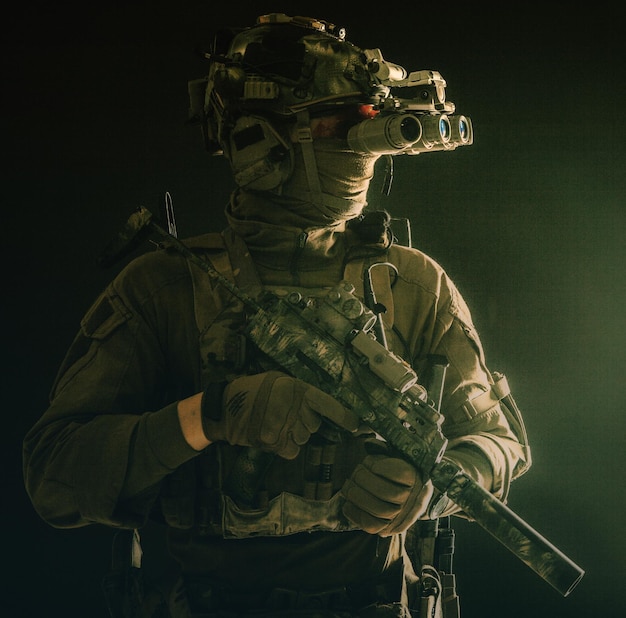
x=305, y=138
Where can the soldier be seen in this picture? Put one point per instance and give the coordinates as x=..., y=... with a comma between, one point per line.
x=160, y=396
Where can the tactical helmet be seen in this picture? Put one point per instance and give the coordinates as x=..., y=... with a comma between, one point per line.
x=266, y=82
x=284, y=64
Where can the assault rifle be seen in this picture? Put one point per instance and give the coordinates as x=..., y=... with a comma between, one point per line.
x=327, y=342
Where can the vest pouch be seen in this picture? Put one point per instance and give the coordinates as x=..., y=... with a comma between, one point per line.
x=285, y=514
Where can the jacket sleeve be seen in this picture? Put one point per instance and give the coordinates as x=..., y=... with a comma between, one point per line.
x=111, y=433
x=482, y=440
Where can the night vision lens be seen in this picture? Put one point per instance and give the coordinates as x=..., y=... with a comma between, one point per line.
x=410, y=129
x=461, y=129
x=437, y=130
x=444, y=128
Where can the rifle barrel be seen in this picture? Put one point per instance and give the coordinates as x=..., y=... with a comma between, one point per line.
x=507, y=527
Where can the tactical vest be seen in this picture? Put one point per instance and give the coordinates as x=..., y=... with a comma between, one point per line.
x=298, y=495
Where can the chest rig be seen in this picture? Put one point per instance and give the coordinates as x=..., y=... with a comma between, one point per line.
x=298, y=495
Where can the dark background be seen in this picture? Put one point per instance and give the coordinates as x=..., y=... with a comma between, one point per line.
x=529, y=222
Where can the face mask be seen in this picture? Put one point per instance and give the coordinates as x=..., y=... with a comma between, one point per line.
x=344, y=178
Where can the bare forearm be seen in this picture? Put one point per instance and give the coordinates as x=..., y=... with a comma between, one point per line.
x=190, y=419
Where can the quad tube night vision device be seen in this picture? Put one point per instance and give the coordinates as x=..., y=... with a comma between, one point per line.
x=407, y=133
x=414, y=117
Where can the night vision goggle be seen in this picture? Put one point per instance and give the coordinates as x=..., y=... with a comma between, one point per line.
x=423, y=123
x=420, y=122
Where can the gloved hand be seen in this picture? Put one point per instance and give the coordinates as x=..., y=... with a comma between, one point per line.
x=274, y=412
x=385, y=495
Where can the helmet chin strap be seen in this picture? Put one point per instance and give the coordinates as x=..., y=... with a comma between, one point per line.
x=305, y=139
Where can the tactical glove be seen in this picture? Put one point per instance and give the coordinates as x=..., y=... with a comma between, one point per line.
x=273, y=412
x=385, y=495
